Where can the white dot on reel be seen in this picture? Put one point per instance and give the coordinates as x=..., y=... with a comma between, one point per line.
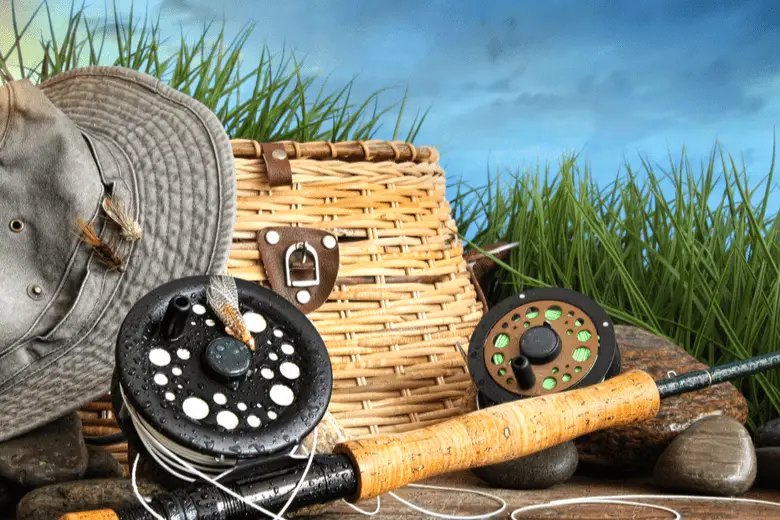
x=195, y=408
x=227, y=419
x=255, y=322
x=282, y=395
x=159, y=357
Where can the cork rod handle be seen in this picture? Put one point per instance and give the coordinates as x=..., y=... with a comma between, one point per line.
x=499, y=433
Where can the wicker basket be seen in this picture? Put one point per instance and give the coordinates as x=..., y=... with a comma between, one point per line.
x=403, y=298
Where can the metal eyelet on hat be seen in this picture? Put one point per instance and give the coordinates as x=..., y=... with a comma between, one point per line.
x=35, y=291
x=16, y=225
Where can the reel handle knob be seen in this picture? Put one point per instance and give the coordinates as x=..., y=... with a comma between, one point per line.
x=175, y=319
x=523, y=372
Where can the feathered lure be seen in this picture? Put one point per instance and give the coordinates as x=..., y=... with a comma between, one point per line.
x=120, y=214
x=222, y=297
x=105, y=252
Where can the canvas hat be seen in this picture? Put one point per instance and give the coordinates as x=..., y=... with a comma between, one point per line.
x=64, y=146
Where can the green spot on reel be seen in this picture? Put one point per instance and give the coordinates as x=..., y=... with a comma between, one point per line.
x=549, y=383
x=532, y=313
x=498, y=358
x=501, y=341
x=502, y=371
x=553, y=313
x=581, y=354
x=566, y=378
x=584, y=335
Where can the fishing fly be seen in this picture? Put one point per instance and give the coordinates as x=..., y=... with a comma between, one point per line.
x=104, y=251
x=222, y=297
x=120, y=214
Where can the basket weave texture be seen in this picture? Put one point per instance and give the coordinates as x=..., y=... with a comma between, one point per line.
x=403, y=299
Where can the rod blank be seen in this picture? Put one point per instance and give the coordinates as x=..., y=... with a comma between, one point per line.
x=699, y=379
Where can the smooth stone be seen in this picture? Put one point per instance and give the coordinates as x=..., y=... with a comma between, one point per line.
x=102, y=464
x=636, y=448
x=51, y=502
x=537, y=471
x=768, y=434
x=53, y=453
x=715, y=456
x=768, y=460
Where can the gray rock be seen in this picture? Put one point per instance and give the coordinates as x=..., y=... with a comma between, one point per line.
x=714, y=456
x=102, y=464
x=51, y=502
x=53, y=453
x=537, y=471
x=768, y=434
x=768, y=459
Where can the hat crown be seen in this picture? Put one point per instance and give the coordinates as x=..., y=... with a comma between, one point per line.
x=48, y=178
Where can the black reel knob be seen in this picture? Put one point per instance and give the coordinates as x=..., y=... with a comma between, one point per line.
x=540, y=345
x=186, y=379
x=227, y=359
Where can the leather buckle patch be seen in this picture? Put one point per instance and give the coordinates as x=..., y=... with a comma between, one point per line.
x=302, y=264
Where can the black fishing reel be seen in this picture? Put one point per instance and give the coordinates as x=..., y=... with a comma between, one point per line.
x=540, y=342
x=186, y=389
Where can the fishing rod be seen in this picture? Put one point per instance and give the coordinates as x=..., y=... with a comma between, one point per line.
x=366, y=468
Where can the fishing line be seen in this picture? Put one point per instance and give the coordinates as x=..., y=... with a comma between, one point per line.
x=622, y=500
x=163, y=453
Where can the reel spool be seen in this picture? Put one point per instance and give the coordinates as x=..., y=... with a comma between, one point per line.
x=181, y=382
x=540, y=342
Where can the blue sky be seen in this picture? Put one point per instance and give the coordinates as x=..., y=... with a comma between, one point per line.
x=509, y=83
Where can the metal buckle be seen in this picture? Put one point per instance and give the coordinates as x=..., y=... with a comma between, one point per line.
x=305, y=246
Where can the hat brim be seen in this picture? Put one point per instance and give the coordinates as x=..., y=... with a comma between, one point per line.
x=183, y=180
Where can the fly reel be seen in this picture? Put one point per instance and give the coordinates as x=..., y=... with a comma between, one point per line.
x=184, y=389
x=540, y=342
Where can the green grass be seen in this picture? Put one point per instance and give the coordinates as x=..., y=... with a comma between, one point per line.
x=696, y=260
x=691, y=254
x=256, y=94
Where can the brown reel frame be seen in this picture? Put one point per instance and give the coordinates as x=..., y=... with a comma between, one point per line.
x=586, y=337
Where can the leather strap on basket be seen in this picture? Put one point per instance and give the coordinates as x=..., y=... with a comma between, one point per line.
x=302, y=264
x=277, y=165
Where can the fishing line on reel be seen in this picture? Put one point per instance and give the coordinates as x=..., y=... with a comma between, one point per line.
x=201, y=404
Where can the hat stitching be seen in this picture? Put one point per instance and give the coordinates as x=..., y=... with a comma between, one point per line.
x=7, y=125
x=169, y=95
x=102, y=72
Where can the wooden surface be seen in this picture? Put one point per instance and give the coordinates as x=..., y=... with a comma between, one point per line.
x=499, y=433
x=467, y=504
